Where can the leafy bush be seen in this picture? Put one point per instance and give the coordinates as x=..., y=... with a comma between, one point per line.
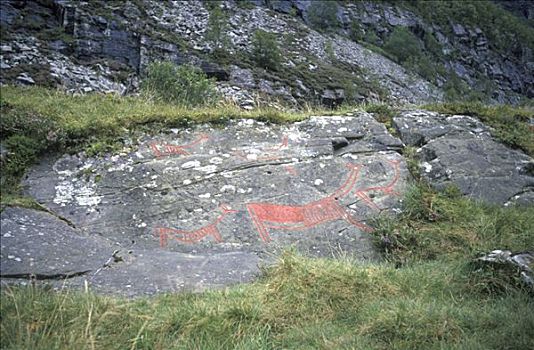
x=184, y=85
x=432, y=45
x=265, y=50
x=323, y=15
x=371, y=37
x=403, y=45
x=356, y=32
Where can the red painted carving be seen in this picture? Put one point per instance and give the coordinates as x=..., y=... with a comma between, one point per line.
x=387, y=189
x=291, y=170
x=286, y=217
x=167, y=149
x=196, y=235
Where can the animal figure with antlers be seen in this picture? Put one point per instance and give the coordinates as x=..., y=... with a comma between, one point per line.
x=196, y=235
x=267, y=216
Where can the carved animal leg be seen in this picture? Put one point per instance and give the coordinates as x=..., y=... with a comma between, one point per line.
x=162, y=237
x=368, y=200
x=262, y=230
x=217, y=235
x=356, y=223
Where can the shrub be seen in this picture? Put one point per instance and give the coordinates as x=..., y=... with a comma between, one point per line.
x=265, y=50
x=403, y=45
x=217, y=26
x=322, y=15
x=329, y=50
x=184, y=85
x=432, y=45
x=356, y=32
x=371, y=37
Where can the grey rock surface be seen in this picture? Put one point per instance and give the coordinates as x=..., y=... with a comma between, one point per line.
x=38, y=243
x=522, y=261
x=458, y=150
x=202, y=207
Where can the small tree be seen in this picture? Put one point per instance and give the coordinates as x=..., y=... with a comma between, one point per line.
x=403, y=45
x=184, y=85
x=217, y=25
x=322, y=14
x=329, y=50
x=265, y=50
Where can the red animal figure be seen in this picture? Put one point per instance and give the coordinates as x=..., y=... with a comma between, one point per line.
x=388, y=189
x=268, y=153
x=268, y=215
x=196, y=235
x=168, y=149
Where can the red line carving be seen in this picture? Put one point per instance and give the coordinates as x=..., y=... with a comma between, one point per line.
x=268, y=153
x=388, y=189
x=167, y=149
x=286, y=217
x=291, y=170
x=196, y=235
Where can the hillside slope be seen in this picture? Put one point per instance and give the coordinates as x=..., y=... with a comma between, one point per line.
x=330, y=51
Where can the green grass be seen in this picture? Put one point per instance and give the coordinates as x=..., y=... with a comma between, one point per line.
x=445, y=225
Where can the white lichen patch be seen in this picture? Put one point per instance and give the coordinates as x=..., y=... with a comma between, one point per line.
x=318, y=182
x=216, y=160
x=191, y=164
x=68, y=191
x=427, y=167
x=121, y=167
x=228, y=188
x=150, y=185
x=86, y=196
x=208, y=169
x=335, y=119
x=171, y=169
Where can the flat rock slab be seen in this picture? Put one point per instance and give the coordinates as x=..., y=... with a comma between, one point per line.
x=458, y=150
x=39, y=244
x=203, y=207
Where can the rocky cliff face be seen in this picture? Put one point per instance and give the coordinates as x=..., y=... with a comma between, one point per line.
x=106, y=46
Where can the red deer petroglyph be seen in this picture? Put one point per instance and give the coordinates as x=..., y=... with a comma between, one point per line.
x=195, y=235
x=267, y=216
x=167, y=149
